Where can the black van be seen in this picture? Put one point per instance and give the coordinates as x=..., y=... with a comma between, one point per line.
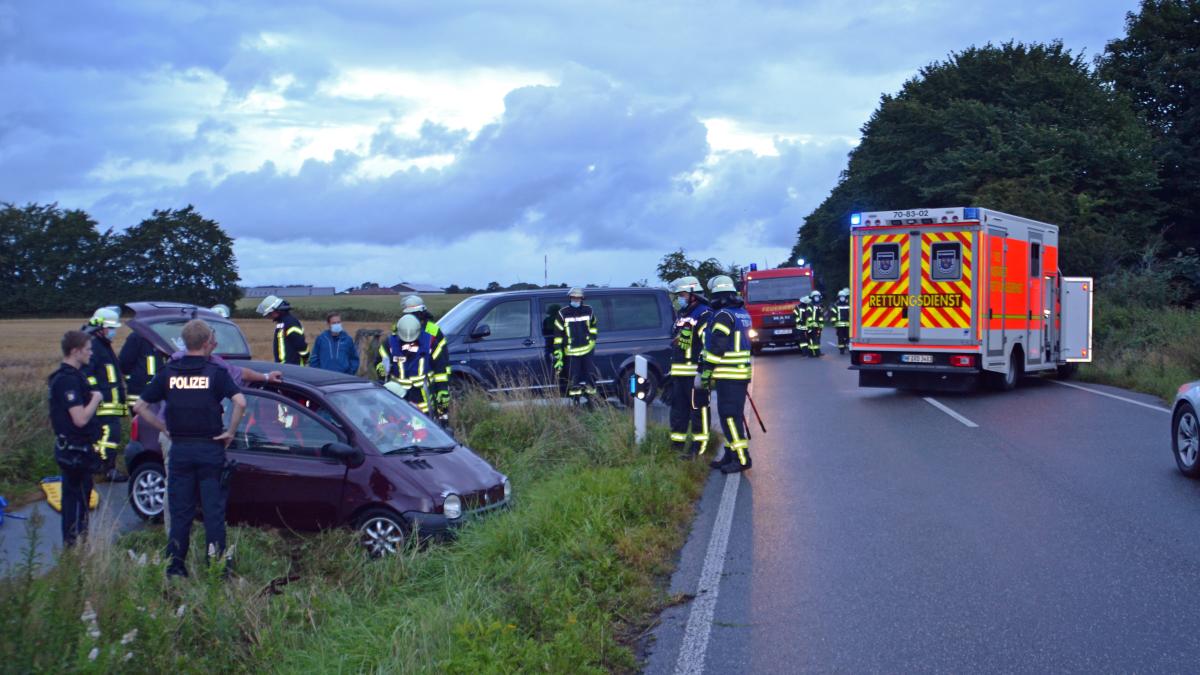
x=502, y=341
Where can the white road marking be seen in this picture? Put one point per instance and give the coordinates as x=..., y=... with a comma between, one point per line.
x=1119, y=398
x=937, y=404
x=699, y=624
x=831, y=344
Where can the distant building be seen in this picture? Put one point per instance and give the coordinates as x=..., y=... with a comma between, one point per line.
x=378, y=290
x=426, y=289
x=287, y=291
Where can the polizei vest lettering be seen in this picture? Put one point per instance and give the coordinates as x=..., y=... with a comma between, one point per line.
x=194, y=382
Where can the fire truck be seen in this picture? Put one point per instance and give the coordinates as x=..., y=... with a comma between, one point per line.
x=771, y=296
x=945, y=298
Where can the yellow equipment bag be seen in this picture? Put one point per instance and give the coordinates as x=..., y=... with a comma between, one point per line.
x=52, y=486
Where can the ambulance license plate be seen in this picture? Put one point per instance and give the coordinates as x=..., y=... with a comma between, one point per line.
x=783, y=331
x=916, y=358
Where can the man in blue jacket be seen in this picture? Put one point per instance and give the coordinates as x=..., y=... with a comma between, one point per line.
x=334, y=349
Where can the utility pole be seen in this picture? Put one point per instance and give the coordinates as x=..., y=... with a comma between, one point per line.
x=545, y=270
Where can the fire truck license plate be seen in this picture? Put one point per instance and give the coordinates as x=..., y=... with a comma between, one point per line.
x=783, y=331
x=916, y=358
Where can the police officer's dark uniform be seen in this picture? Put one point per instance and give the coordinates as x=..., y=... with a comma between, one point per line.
x=140, y=362
x=74, y=448
x=193, y=388
x=726, y=368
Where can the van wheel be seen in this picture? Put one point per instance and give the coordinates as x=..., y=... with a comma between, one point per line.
x=623, y=387
x=382, y=532
x=148, y=491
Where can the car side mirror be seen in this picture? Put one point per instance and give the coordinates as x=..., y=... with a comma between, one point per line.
x=348, y=455
x=481, y=331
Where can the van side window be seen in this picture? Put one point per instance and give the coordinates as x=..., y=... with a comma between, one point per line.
x=885, y=262
x=945, y=259
x=508, y=320
x=603, y=309
x=1035, y=260
x=635, y=311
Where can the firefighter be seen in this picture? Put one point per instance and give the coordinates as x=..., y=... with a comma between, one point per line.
x=800, y=314
x=574, y=341
x=104, y=375
x=816, y=321
x=689, y=405
x=725, y=368
x=440, y=376
x=289, y=345
x=841, y=319
x=409, y=362
x=140, y=362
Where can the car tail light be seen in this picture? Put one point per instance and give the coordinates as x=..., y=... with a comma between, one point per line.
x=870, y=357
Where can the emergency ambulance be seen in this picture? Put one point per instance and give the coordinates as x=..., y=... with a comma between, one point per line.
x=944, y=298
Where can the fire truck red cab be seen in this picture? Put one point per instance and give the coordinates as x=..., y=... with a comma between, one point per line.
x=771, y=297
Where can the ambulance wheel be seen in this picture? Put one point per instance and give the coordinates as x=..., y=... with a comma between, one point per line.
x=1185, y=440
x=1066, y=371
x=148, y=491
x=1012, y=376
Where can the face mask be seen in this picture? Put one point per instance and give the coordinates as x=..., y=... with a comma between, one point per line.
x=111, y=333
x=680, y=302
x=336, y=328
x=576, y=303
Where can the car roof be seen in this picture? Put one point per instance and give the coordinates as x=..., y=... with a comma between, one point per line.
x=313, y=377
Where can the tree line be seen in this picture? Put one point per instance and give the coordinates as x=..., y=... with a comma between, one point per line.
x=57, y=261
x=1109, y=152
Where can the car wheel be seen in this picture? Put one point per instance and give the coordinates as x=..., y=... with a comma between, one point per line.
x=382, y=532
x=1185, y=440
x=148, y=491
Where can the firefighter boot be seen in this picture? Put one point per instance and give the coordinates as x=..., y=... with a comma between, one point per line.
x=734, y=466
x=725, y=458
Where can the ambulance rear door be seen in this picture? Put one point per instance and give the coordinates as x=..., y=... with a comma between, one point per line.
x=945, y=309
x=884, y=277
x=1076, y=336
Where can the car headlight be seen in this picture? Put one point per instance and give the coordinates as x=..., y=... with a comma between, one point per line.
x=507, y=489
x=452, y=507
x=753, y=333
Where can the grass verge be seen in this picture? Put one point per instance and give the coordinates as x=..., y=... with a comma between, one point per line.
x=1147, y=349
x=565, y=581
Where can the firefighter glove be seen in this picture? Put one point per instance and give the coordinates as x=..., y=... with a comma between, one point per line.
x=706, y=380
x=558, y=359
x=443, y=399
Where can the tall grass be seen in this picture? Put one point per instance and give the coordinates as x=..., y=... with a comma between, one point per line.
x=1148, y=349
x=564, y=581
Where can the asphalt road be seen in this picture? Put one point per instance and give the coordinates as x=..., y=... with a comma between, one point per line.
x=878, y=532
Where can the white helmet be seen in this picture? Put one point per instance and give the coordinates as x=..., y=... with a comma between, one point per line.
x=721, y=283
x=413, y=303
x=686, y=285
x=270, y=304
x=107, y=317
x=576, y=292
x=806, y=299
x=408, y=328
x=223, y=310
x=816, y=296
x=844, y=293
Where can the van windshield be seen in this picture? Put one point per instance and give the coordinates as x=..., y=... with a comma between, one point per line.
x=455, y=321
x=778, y=289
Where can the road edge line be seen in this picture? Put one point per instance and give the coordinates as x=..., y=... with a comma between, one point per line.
x=694, y=648
x=1114, y=396
x=946, y=409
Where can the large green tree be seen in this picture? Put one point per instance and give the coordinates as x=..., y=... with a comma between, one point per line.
x=179, y=255
x=1026, y=129
x=1157, y=65
x=53, y=260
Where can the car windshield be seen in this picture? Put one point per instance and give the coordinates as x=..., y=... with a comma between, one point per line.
x=778, y=289
x=389, y=423
x=230, y=341
x=455, y=321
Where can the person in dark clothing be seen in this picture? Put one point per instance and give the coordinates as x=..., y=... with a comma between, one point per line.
x=140, y=362
x=73, y=405
x=574, y=341
x=689, y=406
x=104, y=375
x=439, y=378
x=194, y=388
x=288, y=345
x=726, y=368
x=334, y=349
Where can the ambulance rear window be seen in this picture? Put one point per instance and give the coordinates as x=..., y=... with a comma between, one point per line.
x=946, y=261
x=885, y=262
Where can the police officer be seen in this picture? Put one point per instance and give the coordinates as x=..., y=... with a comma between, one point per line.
x=104, y=375
x=575, y=335
x=841, y=319
x=689, y=405
x=194, y=388
x=410, y=362
x=725, y=367
x=800, y=316
x=816, y=321
x=73, y=405
x=439, y=355
x=289, y=345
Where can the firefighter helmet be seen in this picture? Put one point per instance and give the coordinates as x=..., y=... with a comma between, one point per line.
x=815, y=296
x=408, y=328
x=721, y=283
x=413, y=303
x=223, y=310
x=270, y=304
x=844, y=294
x=576, y=292
x=106, y=317
x=806, y=299
x=686, y=285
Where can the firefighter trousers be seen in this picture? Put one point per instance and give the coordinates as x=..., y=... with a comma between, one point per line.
x=814, y=340
x=843, y=336
x=110, y=441
x=581, y=375
x=689, y=415
x=731, y=408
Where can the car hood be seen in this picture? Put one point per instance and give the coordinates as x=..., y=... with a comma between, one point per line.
x=459, y=471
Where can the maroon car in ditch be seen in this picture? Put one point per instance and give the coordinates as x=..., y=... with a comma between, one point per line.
x=322, y=449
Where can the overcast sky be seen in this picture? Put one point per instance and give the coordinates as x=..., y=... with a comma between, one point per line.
x=459, y=142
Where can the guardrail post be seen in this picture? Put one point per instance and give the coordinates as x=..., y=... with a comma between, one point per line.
x=640, y=369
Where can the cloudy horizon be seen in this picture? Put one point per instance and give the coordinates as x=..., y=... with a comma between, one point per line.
x=371, y=141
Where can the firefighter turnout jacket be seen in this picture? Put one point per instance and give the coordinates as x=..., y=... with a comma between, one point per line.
x=289, y=345
x=840, y=313
x=727, y=343
x=104, y=375
x=688, y=340
x=140, y=362
x=410, y=364
x=575, y=331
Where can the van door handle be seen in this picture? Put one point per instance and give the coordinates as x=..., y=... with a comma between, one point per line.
x=528, y=342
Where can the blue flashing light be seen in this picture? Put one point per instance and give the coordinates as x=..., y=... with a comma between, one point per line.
x=855, y=218
x=753, y=267
x=971, y=213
